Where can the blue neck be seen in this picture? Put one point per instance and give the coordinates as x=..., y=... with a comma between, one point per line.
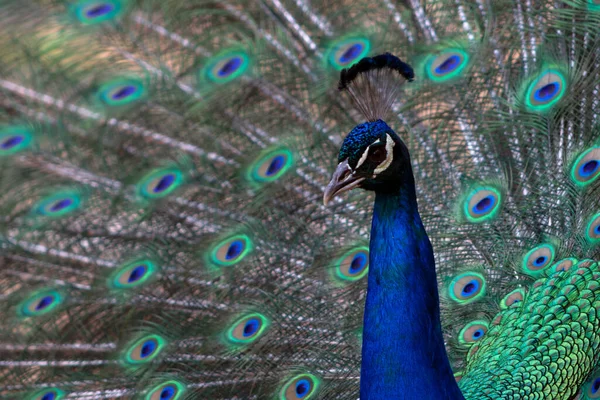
x=403, y=354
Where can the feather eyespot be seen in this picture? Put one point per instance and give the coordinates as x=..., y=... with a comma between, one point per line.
x=473, y=332
x=226, y=67
x=586, y=167
x=170, y=390
x=467, y=287
x=93, y=12
x=40, y=303
x=121, y=92
x=133, y=274
x=271, y=166
x=482, y=204
x=592, y=388
x=546, y=90
x=231, y=250
x=346, y=52
x=593, y=229
x=353, y=265
x=538, y=259
x=248, y=329
x=160, y=183
x=14, y=140
x=145, y=350
x=447, y=65
x=300, y=387
x=563, y=265
x=59, y=204
x=513, y=298
x=48, y=394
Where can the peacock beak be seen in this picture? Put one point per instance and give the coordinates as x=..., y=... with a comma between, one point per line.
x=342, y=180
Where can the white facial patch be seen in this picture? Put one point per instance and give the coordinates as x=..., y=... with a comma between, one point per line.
x=389, y=157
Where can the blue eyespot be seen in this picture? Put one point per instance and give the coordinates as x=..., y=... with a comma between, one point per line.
x=537, y=260
x=90, y=12
x=225, y=67
x=48, y=394
x=353, y=265
x=545, y=93
x=59, y=204
x=251, y=327
x=345, y=52
x=470, y=288
x=275, y=166
x=586, y=168
x=160, y=183
x=472, y=332
x=446, y=65
x=247, y=329
x=484, y=205
x=167, y=393
x=99, y=10
x=547, y=89
x=170, y=390
x=589, y=168
x=144, y=350
x=14, y=139
x=231, y=250
x=137, y=273
x=121, y=92
x=11, y=142
x=467, y=287
x=596, y=386
x=270, y=166
x=230, y=67
x=148, y=348
x=40, y=303
x=302, y=388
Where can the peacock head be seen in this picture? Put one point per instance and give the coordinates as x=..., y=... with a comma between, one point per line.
x=372, y=157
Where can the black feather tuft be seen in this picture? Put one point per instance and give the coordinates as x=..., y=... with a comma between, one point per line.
x=366, y=64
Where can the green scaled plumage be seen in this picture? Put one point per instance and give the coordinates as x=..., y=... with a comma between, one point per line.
x=162, y=172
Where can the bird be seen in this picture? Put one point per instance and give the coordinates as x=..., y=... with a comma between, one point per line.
x=165, y=167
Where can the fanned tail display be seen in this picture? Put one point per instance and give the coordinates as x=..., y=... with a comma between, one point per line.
x=162, y=170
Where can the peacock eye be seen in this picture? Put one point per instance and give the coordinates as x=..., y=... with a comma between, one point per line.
x=377, y=154
x=171, y=390
x=302, y=386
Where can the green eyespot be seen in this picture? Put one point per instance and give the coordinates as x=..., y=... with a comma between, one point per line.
x=586, y=167
x=226, y=66
x=270, y=166
x=473, y=332
x=482, y=204
x=300, y=387
x=353, y=265
x=144, y=350
x=513, y=298
x=59, y=204
x=446, y=65
x=48, y=394
x=40, y=302
x=563, y=265
x=545, y=90
x=160, y=183
x=91, y=12
x=538, y=259
x=170, y=390
x=592, y=231
x=14, y=139
x=345, y=52
x=467, y=287
x=122, y=92
x=247, y=329
x=133, y=274
x=231, y=251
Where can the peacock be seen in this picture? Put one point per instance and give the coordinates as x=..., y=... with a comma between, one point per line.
x=294, y=200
